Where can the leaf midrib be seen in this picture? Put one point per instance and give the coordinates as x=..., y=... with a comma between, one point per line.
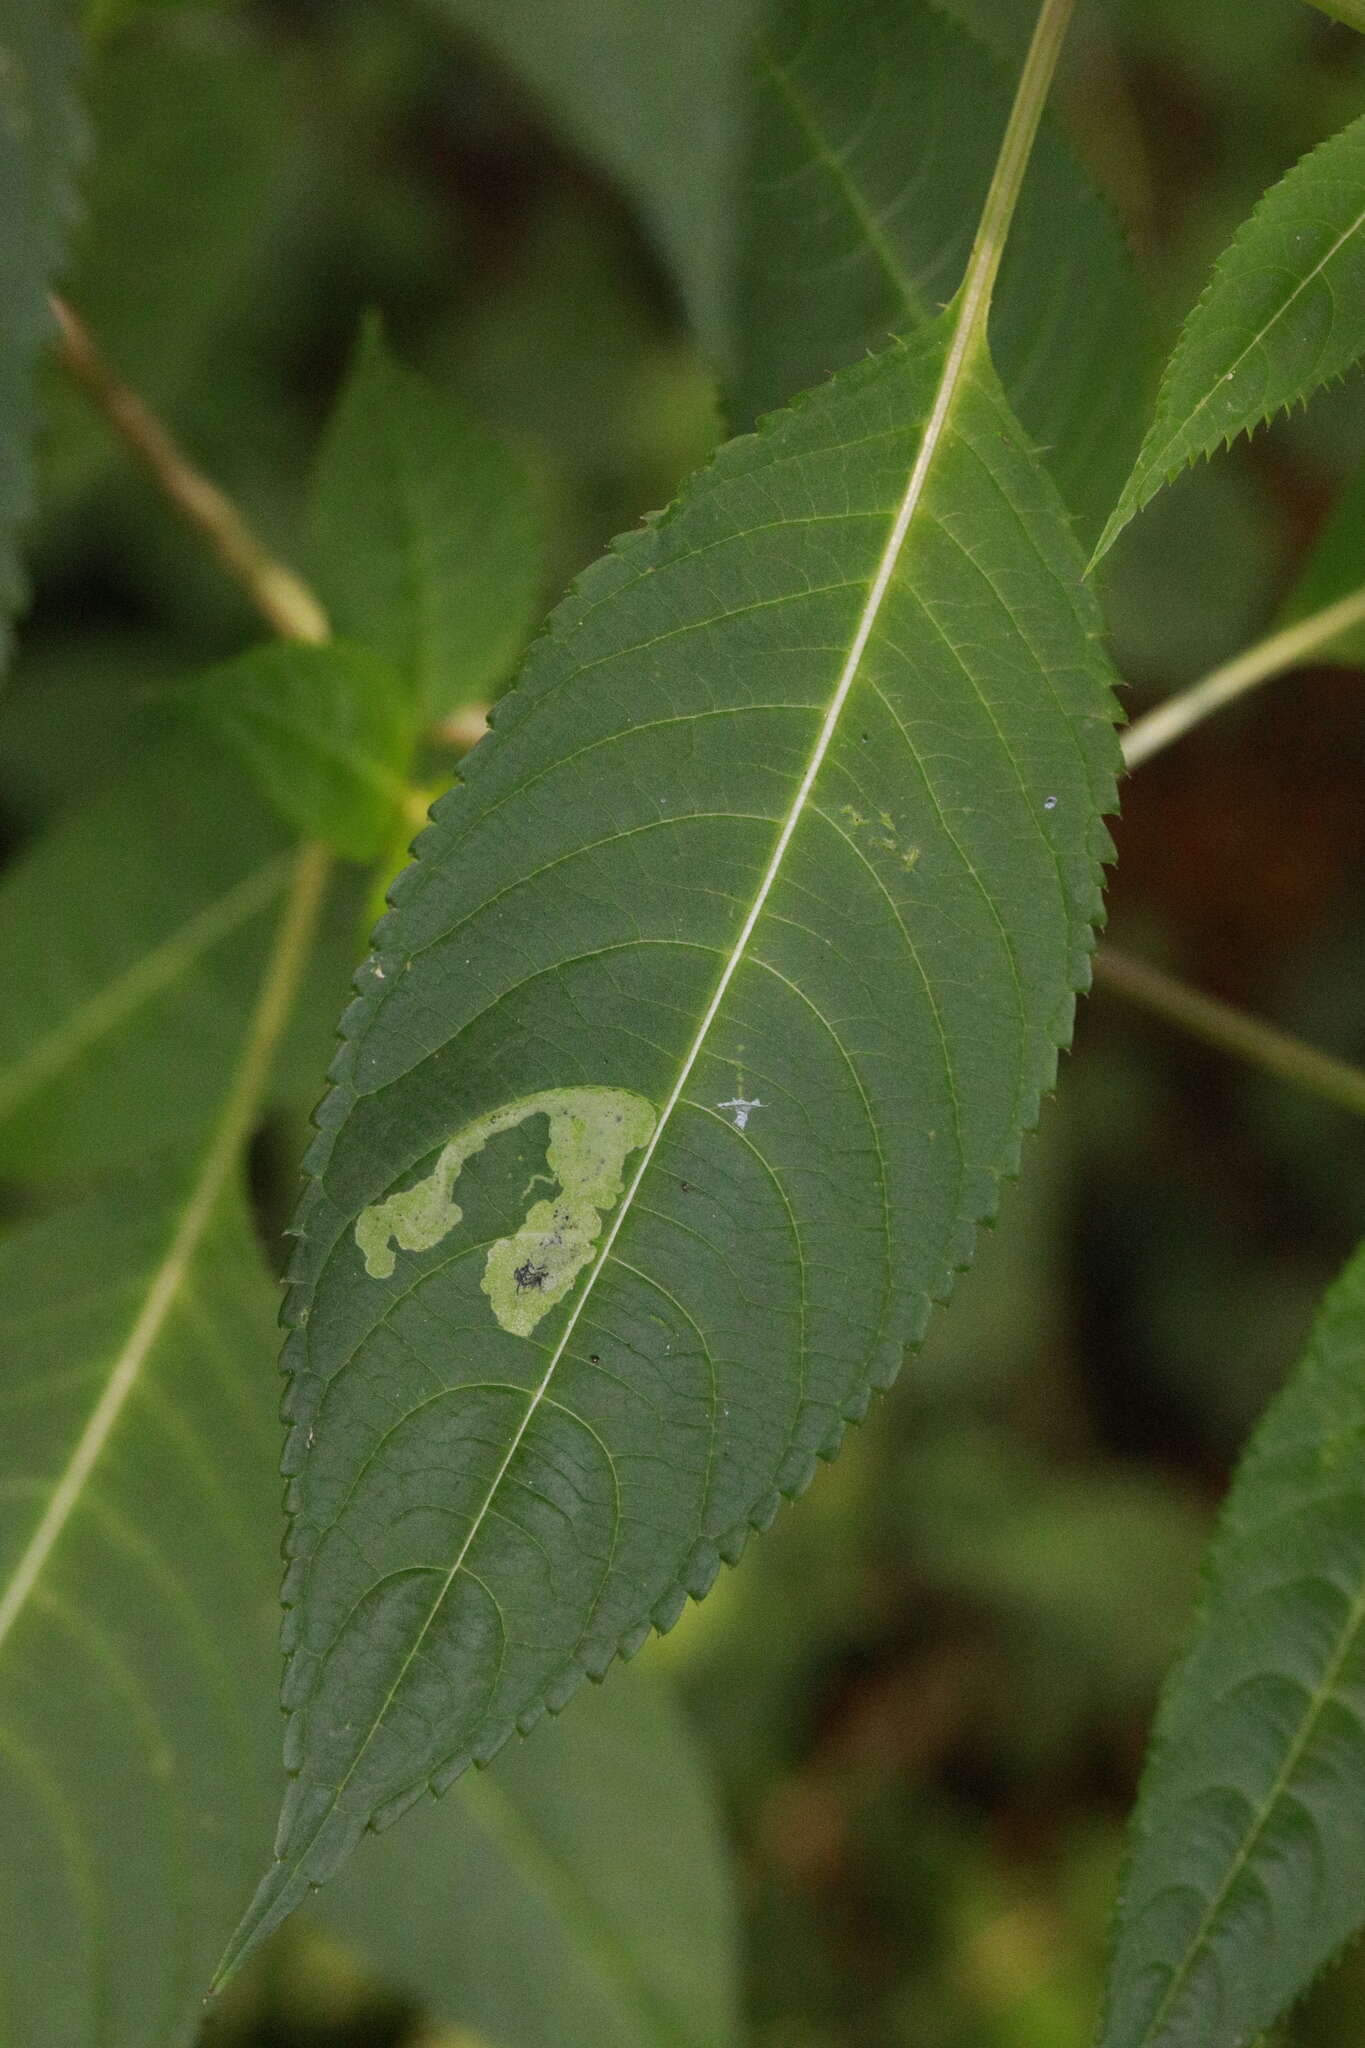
x=118, y=999
x=966, y=340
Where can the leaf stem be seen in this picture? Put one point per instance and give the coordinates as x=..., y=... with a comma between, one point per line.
x=1016, y=147
x=282, y=599
x=1223, y=685
x=1231, y=1030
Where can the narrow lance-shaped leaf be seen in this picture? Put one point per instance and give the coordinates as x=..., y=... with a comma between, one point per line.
x=693, y=1051
x=1284, y=313
x=424, y=534
x=591, y=1860
x=39, y=141
x=1247, y=1866
x=875, y=129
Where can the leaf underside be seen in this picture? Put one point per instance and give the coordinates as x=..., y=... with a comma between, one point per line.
x=876, y=124
x=793, y=870
x=135, y=1612
x=1247, y=1866
x=1283, y=314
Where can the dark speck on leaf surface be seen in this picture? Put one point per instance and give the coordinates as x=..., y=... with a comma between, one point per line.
x=529, y=1276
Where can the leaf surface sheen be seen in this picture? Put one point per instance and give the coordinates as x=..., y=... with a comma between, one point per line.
x=1283, y=314
x=1247, y=1863
x=136, y=1567
x=875, y=130
x=791, y=833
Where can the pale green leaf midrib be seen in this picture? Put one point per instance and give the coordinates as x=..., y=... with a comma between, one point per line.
x=1323, y=1695
x=119, y=999
x=966, y=341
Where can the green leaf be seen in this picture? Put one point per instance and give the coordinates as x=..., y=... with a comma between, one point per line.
x=187, y=124
x=327, y=733
x=136, y=1572
x=39, y=143
x=591, y=1859
x=1247, y=1866
x=1335, y=570
x=132, y=933
x=425, y=534
x=654, y=94
x=876, y=126
x=1283, y=314
x=754, y=930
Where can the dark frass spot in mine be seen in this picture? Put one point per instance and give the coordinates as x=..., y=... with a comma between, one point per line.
x=529, y=1276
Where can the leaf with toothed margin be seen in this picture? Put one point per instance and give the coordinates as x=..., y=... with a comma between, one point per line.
x=875, y=125
x=1283, y=314
x=1247, y=1866
x=692, y=1053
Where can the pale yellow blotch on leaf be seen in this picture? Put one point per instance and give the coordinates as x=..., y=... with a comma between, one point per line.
x=593, y=1132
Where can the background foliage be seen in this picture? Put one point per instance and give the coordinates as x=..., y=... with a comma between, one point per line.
x=904, y=1740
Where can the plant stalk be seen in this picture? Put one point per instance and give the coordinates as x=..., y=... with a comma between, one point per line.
x=283, y=600
x=1223, y=685
x=1231, y=1030
x=1016, y=147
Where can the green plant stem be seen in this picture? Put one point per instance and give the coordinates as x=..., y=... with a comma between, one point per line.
x=282, y=599
x=1231, y=1030
x=1267, y=658
x=1016, y=146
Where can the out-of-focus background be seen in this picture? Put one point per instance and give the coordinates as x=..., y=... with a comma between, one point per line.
x=924, y=1697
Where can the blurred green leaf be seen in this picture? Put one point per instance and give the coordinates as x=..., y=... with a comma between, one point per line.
x=876, y=129
x=426, y=541
x=132, y=933
x=1093, y=1568
x=1283, y=314
x=791, y=760
x=1247, y=1867
x=137, y=1574
x=327, y=733
x=40, y=136
x=1335, y=569
x=187, y=122
x=654, y=94
x=1352, y=12
x=574, y=1895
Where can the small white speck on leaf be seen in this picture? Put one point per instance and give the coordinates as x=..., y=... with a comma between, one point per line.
x=742, y=1110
